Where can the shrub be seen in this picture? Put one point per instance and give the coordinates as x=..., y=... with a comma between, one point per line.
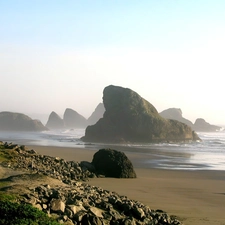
x=23, y=214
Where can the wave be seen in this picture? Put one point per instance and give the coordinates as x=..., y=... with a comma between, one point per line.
x=208, y=154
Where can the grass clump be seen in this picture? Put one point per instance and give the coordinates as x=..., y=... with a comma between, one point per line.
x=7, y=197
x=7, y=154
x=23, y=214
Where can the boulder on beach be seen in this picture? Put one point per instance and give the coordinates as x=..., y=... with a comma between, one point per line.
x=73, y=119
x=112, y=163
x=130, y=118
x=55, y=121
x=11, y=121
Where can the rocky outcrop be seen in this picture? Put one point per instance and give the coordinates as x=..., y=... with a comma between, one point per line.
x=10, y=121
x=175, y=114
x=130, y=118
x=55, y=121
x=112, y=163
x=97, y=114
x=202, y=126
x=72, y=119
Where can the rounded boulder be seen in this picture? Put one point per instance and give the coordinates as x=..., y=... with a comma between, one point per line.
x=113, y=163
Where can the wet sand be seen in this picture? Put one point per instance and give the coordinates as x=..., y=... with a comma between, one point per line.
x=195, y=197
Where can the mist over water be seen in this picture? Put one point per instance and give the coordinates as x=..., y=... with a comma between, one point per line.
x=206, y=155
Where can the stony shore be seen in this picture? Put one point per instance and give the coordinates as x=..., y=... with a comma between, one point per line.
x=70, y=199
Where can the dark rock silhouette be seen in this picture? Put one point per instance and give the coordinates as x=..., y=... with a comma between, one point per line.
x=175, y=114
x=202, y=126
x=55, y=121
x=10, y=121
x=130, y=118
x=97, y=114
x=112, y=163
x=72, y=119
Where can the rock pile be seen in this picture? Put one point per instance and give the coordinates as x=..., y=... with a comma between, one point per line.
x=106, y=162
x=55, y=167
x=85, y=204
x=75, y=202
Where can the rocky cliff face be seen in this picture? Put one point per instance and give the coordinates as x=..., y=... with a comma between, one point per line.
x=97, y=114
x=10, y=121
x=73, y=119
x=55, y=121
x=130, y=118
x=175, y=114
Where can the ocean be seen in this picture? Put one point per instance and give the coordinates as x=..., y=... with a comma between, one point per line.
x=206, y=155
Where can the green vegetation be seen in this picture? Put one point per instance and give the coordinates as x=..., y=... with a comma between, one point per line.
x=23, y=214
x=7, y=197
x=7, y=154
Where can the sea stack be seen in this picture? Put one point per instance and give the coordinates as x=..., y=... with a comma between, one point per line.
x=175, y=114
x=202, y=126
x=130, y=118
x=73, y=119
x=55, y=122
x=97, y=114
x=12, y=121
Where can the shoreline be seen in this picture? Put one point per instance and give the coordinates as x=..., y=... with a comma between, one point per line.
x=196, y=197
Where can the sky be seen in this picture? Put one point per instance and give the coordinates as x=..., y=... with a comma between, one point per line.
x=62, y=54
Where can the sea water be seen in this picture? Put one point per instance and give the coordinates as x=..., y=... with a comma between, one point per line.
x=209, y=154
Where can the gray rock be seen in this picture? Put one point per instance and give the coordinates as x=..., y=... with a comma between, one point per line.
x=57, y=205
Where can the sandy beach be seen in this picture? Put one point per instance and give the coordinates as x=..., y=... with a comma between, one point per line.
x=195, y=197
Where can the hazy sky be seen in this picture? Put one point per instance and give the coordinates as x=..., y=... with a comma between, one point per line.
x=61, y=54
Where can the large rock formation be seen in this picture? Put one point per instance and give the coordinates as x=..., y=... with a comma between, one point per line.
x=55, y=121
x=73, y=119
x=175, y=114
x=97, y=114
x=202, y=126
x=130, y=118
x=10, y=121
x=112, y=163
